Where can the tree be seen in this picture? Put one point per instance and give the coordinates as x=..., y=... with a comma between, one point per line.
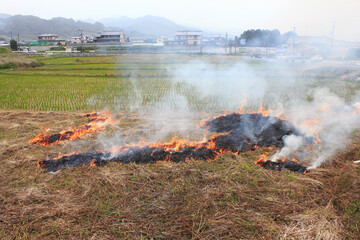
x=288, y=35
x=13, y=44
x=237, y=40
x=261, y=38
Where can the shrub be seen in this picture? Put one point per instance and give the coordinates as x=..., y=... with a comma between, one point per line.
x=13, y=45
x=36, y=64
x=86, y=49
x=57, y=49
x=7, y=65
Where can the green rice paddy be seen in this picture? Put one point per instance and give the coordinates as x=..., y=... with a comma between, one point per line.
x=87, y=83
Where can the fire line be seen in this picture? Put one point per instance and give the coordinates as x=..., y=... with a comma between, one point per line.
x=240, y=133
x=97, y=123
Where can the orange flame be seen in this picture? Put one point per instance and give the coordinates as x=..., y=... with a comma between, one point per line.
x=92, y=163
x=96, y=124
x=241, y=108
x=67, y=155
x=356, y=107
x=294, y=158
x=174, y=145
x=263, y=111
x=324, y=108
x=310, y=123
x=263, y=158
x=203, y=123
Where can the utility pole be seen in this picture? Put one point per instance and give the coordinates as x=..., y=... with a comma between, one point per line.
x=332, y=41
x=235, y=45
x=81, y=39
x=18, y=38
x=226, y=41
x=186, y=42
x=293, y=42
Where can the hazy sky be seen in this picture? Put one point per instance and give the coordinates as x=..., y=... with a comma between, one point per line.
x=310, y=17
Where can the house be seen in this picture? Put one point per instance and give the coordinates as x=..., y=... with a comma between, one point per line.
x=162, y=40
x=110, y=37
x=75, y=40
x=212, y=40
x=52, y=39
x=4, y=43
x=48, y=37
x=189, y=38
x=60, y=41
x=137, y=40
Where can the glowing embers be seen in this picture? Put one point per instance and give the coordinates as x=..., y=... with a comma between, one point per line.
x=242, y=132
x=174, y=151
x=97, y=123
x=136, y=154
x=290, y=164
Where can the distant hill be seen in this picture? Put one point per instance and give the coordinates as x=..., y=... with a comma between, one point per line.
x=29, y=27
x=3, y=15
x=147, y=25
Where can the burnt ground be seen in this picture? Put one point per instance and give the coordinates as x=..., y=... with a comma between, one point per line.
x=228, y=198
x=245, y=133
x=257, y=129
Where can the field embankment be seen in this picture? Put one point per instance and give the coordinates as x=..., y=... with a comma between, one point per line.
x=9, y=60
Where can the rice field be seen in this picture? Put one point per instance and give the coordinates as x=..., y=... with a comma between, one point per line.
x=143, y=81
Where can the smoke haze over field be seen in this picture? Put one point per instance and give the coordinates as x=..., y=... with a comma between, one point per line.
x=324, y=115
x=309, y=17
x=321, y=116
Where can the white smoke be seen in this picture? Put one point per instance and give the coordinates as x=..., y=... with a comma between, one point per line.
x=292, y=143
x=230, y=83
x=327, y=119
x=173, y=117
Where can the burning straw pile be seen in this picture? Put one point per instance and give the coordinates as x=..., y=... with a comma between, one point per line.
x=97, y=123
x=237, y=133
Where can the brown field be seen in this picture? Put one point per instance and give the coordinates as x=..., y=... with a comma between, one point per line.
x=230, y=198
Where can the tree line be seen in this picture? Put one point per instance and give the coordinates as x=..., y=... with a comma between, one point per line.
x=264, y=38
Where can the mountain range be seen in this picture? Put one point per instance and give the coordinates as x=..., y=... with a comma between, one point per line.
x=29, y=27
x=147, y=25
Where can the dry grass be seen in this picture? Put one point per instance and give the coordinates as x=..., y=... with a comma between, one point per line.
x=16, y=59
x=230, y=198
x=319, y=224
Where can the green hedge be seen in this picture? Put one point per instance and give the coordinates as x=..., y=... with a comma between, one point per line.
x=57, y=49
x=11, y=65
